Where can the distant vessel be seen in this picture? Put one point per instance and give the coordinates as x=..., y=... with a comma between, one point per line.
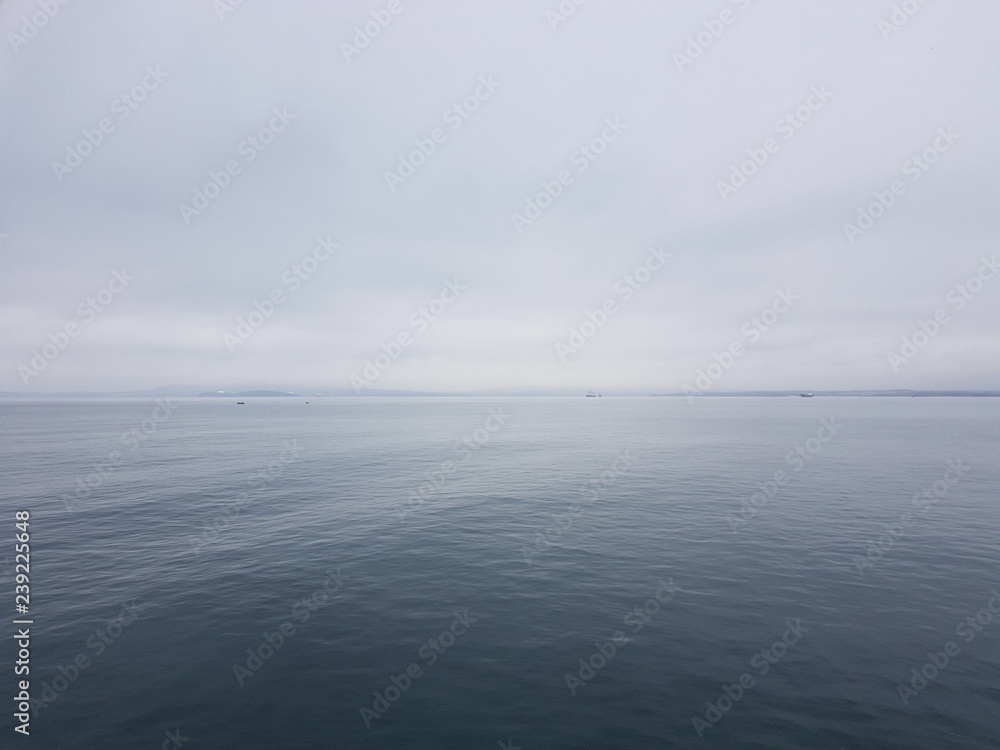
x=240, y=403
x=807, y=395
x=593, y=395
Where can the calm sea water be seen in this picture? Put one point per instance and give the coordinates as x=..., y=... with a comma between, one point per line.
x=254, y=576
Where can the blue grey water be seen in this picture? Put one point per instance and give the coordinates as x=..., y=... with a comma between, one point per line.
x=428, y=573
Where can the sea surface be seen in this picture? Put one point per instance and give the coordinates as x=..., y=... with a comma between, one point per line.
x=506, y=573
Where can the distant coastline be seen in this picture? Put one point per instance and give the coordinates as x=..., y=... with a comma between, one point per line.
x=202, y=392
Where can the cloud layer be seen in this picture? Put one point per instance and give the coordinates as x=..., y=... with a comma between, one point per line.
x=535, y=154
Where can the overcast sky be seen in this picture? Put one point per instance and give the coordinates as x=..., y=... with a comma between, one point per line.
x=665, y=116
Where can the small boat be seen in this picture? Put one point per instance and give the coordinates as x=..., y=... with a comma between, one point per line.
x=591, y=395
x=807, y=395
x=240, y=403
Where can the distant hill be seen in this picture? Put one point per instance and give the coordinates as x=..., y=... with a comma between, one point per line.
x=244, y=394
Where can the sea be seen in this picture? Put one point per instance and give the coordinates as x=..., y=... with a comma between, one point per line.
x=502, y=573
